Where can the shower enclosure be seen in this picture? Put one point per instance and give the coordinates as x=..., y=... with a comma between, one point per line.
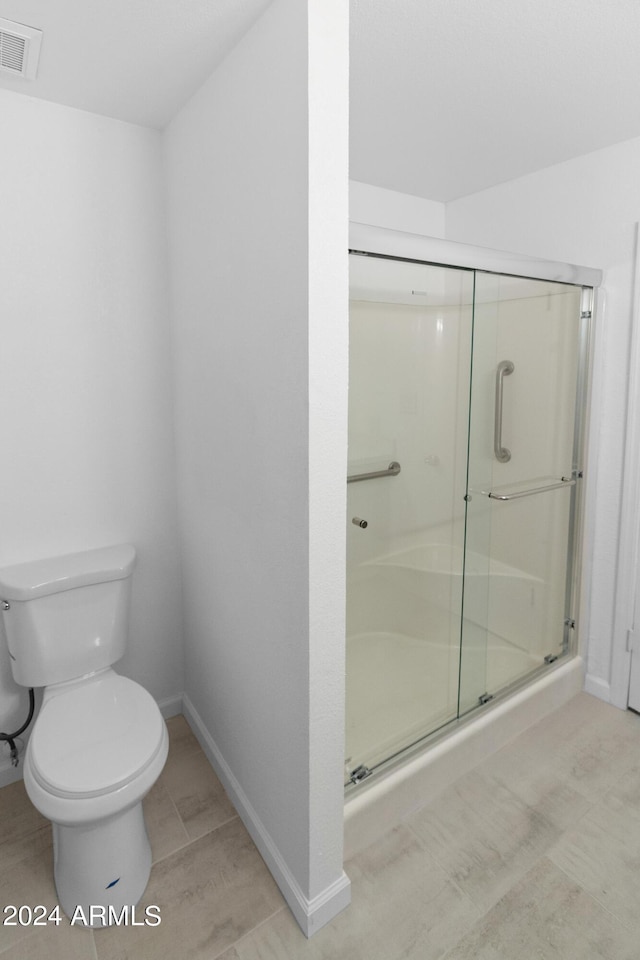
x=466, y=400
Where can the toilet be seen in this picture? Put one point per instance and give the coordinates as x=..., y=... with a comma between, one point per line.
x=99, y=742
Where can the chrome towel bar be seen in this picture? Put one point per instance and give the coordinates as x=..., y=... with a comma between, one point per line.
x=392, y=471
x=563, y=482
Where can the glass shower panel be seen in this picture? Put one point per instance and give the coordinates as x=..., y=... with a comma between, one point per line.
x=521, y=478
x=410, y=353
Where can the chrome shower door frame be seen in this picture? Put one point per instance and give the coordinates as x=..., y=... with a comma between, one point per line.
x=381, y=243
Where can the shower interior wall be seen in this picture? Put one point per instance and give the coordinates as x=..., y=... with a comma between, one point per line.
x=425, y=425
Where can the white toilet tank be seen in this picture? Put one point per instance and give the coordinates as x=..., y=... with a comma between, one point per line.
x=67, y=616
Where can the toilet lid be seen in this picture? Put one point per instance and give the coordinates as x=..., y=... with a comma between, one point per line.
x=95, y=737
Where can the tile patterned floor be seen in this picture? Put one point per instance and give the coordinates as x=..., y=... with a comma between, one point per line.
x=534, y=855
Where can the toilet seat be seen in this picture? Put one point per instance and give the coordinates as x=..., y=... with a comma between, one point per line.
x=96, y=737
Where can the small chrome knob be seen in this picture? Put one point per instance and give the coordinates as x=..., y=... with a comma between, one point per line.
x=5, y=605
x=363, y=524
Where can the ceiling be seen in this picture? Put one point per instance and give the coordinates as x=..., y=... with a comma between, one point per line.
x=448, y=97
x=135, y=60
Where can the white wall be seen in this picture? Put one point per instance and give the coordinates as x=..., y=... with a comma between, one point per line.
x=85, y=382
x=583, y=211
x=395, y=211
x=258, y=218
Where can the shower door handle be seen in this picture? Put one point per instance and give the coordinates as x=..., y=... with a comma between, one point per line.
x=516, y=494
x=504, y=369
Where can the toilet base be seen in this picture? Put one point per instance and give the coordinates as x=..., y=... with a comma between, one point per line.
x=101, y=865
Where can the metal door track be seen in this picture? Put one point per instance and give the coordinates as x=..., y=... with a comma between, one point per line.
x=360, y=773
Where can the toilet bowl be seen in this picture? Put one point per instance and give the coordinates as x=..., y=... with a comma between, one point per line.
x=99, y=742
x=96, y=749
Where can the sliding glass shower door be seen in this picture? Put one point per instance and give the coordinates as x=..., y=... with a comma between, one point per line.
x=461, y=494
x=410, y=358
x=522, y=472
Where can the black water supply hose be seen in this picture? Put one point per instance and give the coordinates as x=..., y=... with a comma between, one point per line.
x=10, y=737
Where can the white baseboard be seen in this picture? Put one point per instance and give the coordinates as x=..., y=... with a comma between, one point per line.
x=312, y=914
x=171, y=706
x=597, y=688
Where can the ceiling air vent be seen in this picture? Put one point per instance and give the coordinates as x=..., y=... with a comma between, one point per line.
x=19, y=49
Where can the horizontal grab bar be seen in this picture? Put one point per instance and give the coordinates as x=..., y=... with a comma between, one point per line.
x=563, y=482
x=392, y=471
